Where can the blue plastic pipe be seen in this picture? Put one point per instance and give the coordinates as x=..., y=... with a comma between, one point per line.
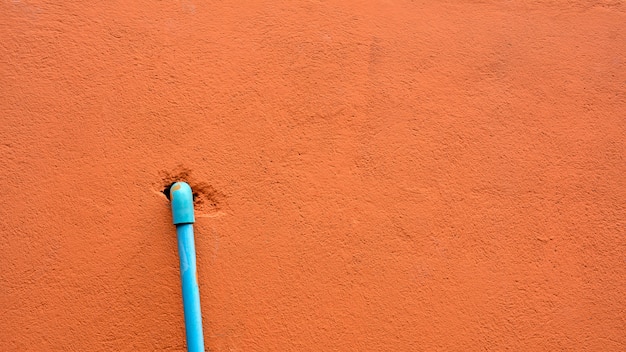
x=182, y=213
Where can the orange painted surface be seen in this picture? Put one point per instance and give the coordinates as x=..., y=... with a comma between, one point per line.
x=370, y=176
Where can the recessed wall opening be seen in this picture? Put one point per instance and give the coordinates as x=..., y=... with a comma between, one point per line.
x=166, y=190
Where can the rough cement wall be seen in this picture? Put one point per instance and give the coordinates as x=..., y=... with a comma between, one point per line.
x=372, y=176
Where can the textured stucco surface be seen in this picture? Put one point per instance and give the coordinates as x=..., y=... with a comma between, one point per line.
x=371, y=176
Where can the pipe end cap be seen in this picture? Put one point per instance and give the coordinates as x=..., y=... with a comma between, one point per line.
x=181, y=198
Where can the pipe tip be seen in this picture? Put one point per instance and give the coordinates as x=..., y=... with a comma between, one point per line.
x=181, y=198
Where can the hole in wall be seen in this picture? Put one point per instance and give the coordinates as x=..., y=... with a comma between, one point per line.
x=207, y=199
x=166, y=190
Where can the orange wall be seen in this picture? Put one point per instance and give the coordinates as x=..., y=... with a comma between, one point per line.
x=372, y=175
